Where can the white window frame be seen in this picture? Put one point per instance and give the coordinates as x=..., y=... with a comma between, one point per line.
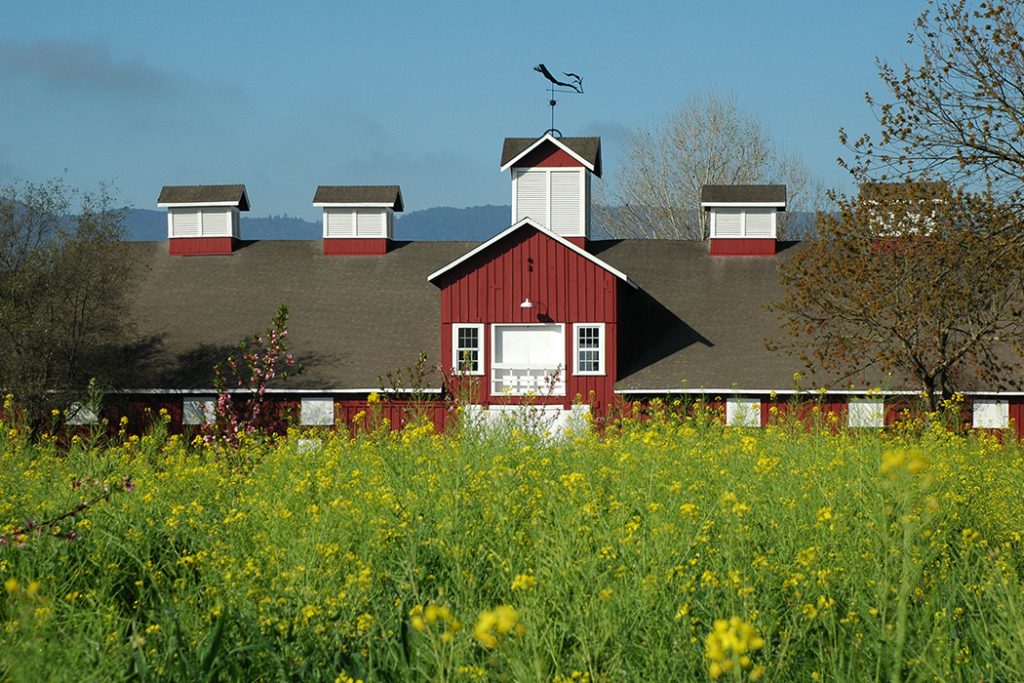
x=742, y=412
x=198, y=410
x=866, y=413
x=456, y=369
x=601, y=345
x=317, y=411
x=559, y=389
x=743, y=223
x=989, y=413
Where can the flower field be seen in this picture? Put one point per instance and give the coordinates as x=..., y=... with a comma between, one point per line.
x=671, y=550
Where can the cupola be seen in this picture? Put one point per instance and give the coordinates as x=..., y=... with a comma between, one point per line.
x=359, y=220
x=744, y=218
x=203, y=219
x=551, y=182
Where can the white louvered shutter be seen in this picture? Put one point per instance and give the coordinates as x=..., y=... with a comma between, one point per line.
x=370, y=223
x=532, y=196
x=185, y=222
x=728, y=223
x=341, y=223
x=215, y=223
x=759, y=223
x=566, y=218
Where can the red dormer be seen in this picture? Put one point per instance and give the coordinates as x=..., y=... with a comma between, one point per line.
x=744, y=218
x=203, y=220
x=359, y=220
x=551, y=182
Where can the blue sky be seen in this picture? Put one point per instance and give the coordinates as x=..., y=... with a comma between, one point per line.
x=285, y=96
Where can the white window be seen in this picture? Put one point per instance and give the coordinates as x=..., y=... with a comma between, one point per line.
x=357, y=222
x=467, y=345
x=751, y=222
x=198, y=410
x=588, y=349
x=78, y=414
x=866, y=412
x=991, y=414
x=528, y=359
x=743, y=412
x=554, y=198
x=317, y=411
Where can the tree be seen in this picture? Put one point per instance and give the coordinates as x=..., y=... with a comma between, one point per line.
x=64, y=284
x=707, y=142
x=914, y=278
x=960, y=112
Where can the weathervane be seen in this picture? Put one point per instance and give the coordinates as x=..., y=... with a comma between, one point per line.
x=576, y=89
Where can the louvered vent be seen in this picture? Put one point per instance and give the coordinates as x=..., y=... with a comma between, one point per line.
x=759, y=223
x=728, y=223
x=216, y=223
x=370, y=224
x=566, y=203
x=184, y=223
x=340, y=223
x=532, y=196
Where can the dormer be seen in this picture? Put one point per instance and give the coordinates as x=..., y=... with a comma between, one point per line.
x=743, y=218
x=203, y=219
x=359, y=220
x=551, y=182
x=904, y=209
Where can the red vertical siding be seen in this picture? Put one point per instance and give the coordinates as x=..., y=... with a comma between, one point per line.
x=548, y=155
x=760, y=246
x=565, y=288
x=201, y=246
x=356, y=246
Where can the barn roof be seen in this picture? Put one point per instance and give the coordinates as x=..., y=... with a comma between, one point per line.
x=387, y=195
x=204, y=195
x=711, y=195
x=693, y=318
x=586, y=150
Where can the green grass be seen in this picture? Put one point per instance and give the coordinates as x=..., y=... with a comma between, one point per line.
x=853, y=555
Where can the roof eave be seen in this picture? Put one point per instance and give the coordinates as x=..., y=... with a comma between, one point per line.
x=548, y=137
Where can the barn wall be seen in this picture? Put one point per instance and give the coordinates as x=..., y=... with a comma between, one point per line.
x=201, y=246
x=565, y=288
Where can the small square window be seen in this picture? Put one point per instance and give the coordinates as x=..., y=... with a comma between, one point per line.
x=743, y=412
x=466, y=344
x=317, y=411
x=199, y=410
x=990, y=414
x=866, y=412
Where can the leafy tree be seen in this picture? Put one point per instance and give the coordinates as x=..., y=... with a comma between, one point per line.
x=707, y=142
x=64, y=284
x=913, y=278
x=959, y=112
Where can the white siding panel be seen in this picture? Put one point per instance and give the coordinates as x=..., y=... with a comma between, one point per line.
x=184, y=222
x=532, y=196
x=317, y=411
x=340, y=222
x=566, y=202
x=728, y=223
x=760, y=223
x=991, y=414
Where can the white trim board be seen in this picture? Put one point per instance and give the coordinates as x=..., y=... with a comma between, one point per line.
x=548, y=137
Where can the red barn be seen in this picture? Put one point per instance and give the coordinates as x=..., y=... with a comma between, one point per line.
x=542, y=313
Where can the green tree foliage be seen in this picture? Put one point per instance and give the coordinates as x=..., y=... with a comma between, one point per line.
x=958, y=113
x=913, y=278
x=64, y=285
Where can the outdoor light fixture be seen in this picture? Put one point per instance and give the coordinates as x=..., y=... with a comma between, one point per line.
x=526, y=303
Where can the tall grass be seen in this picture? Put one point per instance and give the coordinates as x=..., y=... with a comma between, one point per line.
x=853, y=555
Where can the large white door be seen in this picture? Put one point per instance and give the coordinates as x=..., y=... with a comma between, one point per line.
x=529, y=359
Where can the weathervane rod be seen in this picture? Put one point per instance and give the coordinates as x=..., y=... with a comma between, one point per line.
x=576, y=88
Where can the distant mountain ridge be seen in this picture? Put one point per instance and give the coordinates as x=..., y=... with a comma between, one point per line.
x=442, y=223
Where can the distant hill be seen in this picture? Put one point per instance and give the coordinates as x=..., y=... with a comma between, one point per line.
x=443, y=223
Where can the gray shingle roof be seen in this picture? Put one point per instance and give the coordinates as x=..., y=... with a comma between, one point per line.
x=696, y=318
x=360, y=194
x=201, y=194
x=743, y=193
x=587, y=148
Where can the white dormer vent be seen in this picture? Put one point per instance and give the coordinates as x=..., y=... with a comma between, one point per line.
x=203, y=219
x=551, y=181
x=358, y=219
x=743, y=218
